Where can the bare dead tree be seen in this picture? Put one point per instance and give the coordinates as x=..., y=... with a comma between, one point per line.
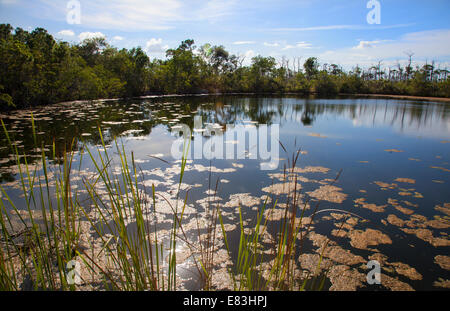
x=298, y=64
x=409, y=68
x=240, y=60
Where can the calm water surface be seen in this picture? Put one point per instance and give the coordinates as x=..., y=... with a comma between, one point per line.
x=387, y=150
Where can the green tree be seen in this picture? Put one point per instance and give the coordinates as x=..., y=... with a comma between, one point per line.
x=311, y=67
x=261, y=73
x=182, y=69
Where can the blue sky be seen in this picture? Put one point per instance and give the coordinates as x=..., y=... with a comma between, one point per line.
x=335, y=31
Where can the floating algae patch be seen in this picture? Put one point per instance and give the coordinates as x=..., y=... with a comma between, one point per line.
x=182, y=255
x=393, y=150
x=438, y=223
x=410, y=204
x=339, y=233
x=406, y=270
x=310, y=262
x=311, y=169
x=395, y=221
x=373, y=207
x=344, y=278
x=156, y=183
x=292, y=177
x=427, y=236
x=385, y=186
x=282, y=188
x=338, y=216
x=319, y=240
x=342, y=256
x=404, y=210
x=316, y=135
x=414, y=159
x=353, y=221
x=280, y=212
x=445, y=208
x=370, y=237
x=276, y=214
x=442, y=261
x=442, y=283
x=200, y=168
x=237, y=165
x=381, y=258
x=208, y=202
x=242, y=199
x=417, y=221
x=440, y=168
x=405, y=180
x=438, y=181
x=418, y=195
x=394, y=284
x=167, y=205
x=221, y=280
x=328, y=193
x=280, y=176
x=400, y=208
x=348, y=225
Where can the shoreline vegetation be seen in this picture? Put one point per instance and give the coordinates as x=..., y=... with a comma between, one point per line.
x=39, y=70
x=379, y=96
x=406, y=97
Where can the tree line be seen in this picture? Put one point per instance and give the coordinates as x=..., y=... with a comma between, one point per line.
x=36, y=70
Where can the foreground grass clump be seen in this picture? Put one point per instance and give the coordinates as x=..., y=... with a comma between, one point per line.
x=252, y=270
x=47, y=241
x=52, y=238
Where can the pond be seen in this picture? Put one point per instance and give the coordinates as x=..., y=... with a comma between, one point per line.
x=384, y=161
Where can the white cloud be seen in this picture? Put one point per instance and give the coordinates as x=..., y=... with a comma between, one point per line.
x=369, y=44
x=90, y=35
x=299, y=45
x=250, y=54
x=248, y=57
x=118, y=38
x=288, y=47
x=365, y=44
x=129, y=15
x=243, y=42
x=139, y=15
x=153, y=42
x=304, y=45
x=66, y=33
x=155, y=46
x=8, y=1
x=275, y=44
x=331, y=27
x=215, y=9
x=341, y=27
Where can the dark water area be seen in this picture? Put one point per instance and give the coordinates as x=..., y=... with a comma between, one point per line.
x=393, y=157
